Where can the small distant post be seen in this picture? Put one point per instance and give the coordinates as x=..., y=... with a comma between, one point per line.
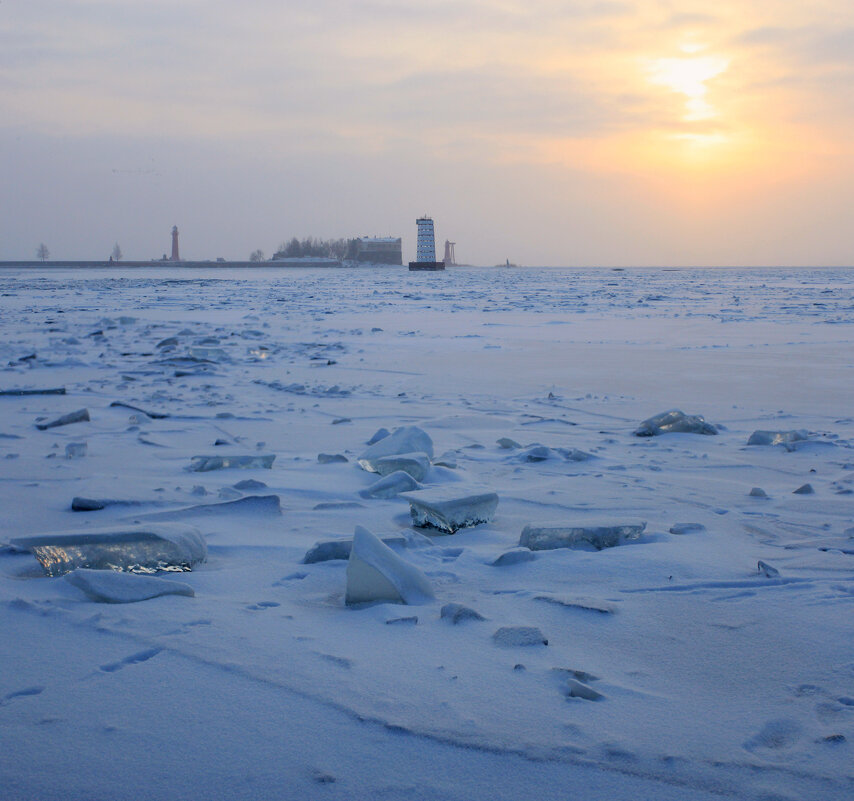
x=175, y=255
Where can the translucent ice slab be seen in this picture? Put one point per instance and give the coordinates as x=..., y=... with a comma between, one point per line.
x=203, y=464
x=132, y=548
x=582, y=537
x=450, y=508
x=675, y=422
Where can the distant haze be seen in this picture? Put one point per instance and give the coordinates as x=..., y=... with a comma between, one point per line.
x=547, y=132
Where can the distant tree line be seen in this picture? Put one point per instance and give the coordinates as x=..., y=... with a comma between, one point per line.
x=325, y=248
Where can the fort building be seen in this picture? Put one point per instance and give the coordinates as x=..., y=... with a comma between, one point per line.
x=379, y=250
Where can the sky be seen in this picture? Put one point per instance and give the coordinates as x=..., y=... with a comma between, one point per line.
x=546, y=132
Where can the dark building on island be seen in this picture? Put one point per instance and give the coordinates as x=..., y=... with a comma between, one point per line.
x=379, y=250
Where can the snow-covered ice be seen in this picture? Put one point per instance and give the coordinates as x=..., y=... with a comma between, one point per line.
x=687, y=528
x=519, y=636
x=113, y=587
x=720, y=678
x=403, y=440
x=390, y=485
x=458, y=613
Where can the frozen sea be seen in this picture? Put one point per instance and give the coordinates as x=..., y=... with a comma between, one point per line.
x=716, y=679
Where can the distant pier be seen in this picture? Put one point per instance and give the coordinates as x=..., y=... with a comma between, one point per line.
x=282, y=263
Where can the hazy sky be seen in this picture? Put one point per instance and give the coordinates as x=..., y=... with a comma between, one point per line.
x=544, y=131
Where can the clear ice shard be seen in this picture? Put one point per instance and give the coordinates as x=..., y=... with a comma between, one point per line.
x=375, y=573
x=381, y=433
x=450, y=508
x=408, y=439
x=80, y=504
x=675, y=422
x=778, y=437
x=133, y=548
x=208, y=354
x=152, y=415
x=203, y=464
x=687, y=528
x=390, y=486
x=577, y=689
x=111, y=587
x=535, y=453
x=328, y=550
x=331, y=458
x=767, y=570
x=582, y=537
x=80, y=416
x=414, y=464
x=75, y=450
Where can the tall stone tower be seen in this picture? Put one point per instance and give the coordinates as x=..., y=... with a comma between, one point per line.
x=175, y=255
x=426, y=247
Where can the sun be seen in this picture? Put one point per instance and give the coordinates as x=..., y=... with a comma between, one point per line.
x=688, y=75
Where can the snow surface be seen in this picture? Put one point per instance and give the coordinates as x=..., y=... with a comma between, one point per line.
x=717, y=678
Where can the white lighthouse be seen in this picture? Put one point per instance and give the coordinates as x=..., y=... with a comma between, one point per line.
x=425, y=258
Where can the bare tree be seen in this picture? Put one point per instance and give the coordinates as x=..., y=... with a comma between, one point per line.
x=290, y=250
x=117, y=253
x=42, y=252
x=310, y=246
x=256, y=255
